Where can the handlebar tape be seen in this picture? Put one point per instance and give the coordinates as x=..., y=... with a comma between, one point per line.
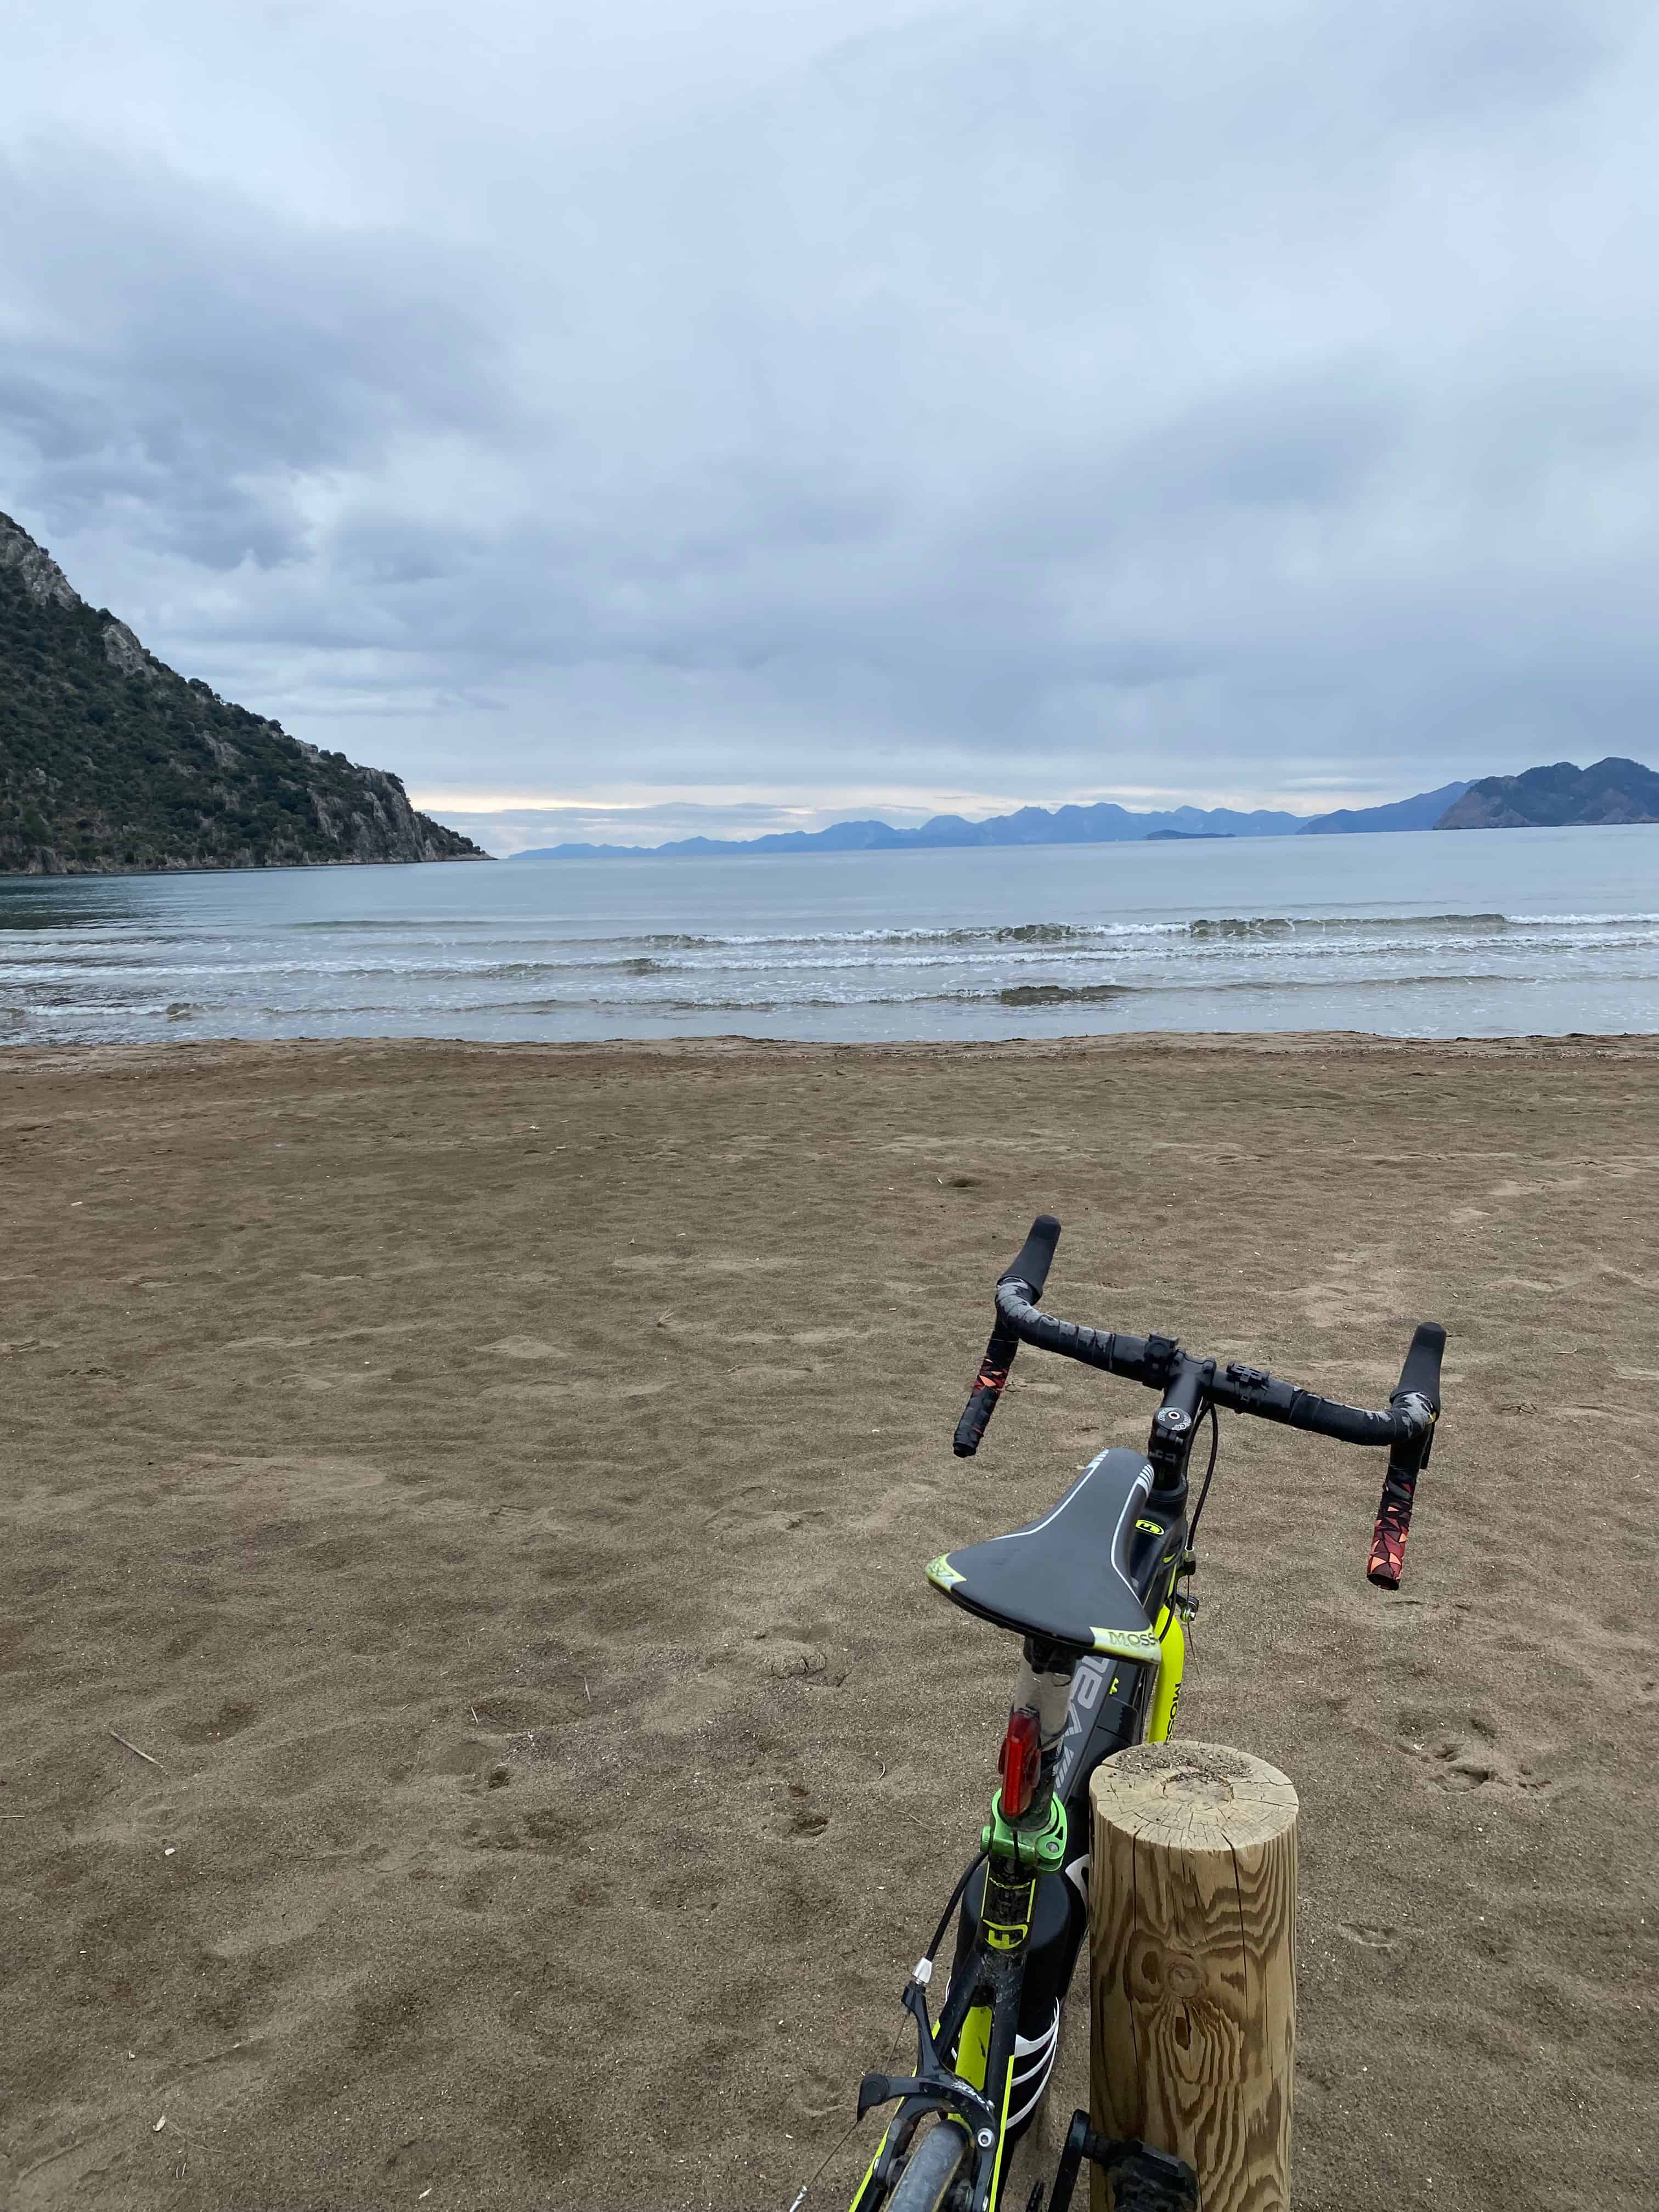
x=988, y=1388
x=1419, y=1379
x=1030, y=1272
x=1420, y=1376
x=1036, y=1257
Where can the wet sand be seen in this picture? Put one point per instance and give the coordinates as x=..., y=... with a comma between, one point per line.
x=492, y=1484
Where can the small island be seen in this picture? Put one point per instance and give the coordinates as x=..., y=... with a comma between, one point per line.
x=112, y=764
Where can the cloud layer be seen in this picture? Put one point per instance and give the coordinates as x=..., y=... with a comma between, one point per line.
x=855, y=406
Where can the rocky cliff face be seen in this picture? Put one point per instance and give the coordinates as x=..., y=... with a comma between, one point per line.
x=1613, y=790
x=112, y=763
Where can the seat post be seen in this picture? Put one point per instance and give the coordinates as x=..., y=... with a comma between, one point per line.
x=1026, y=1834
x=1043, y=1685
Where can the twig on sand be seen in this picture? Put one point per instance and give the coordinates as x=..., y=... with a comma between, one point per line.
x=134, y=1749
x=590, y=1694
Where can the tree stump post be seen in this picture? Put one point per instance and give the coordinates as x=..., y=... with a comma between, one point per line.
x=1192, y=1904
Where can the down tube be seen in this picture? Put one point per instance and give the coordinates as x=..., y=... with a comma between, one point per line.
x=1171, y=1666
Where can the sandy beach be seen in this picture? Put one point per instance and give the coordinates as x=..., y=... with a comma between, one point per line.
x=492, y=1484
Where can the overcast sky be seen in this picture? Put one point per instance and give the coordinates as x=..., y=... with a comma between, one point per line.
x=724, y=413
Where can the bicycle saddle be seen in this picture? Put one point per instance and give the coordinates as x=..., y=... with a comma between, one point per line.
x=1068, y=1576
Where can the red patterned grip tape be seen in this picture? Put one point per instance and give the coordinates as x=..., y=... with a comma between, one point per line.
x=1387, y=1559
x=1394, y=1519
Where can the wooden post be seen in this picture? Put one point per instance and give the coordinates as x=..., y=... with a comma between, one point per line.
x=1192, y=1903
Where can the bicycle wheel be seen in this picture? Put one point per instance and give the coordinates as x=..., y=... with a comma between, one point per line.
x=931, y=2172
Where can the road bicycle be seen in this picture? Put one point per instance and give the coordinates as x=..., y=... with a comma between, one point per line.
x=1099, y=1591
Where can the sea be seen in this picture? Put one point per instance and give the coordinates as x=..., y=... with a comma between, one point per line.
x=1426, y=934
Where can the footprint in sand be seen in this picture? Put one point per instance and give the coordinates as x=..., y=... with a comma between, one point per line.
x=795, y=1819
x=416, y=2159
x=780, y=1656
x=753, y=1525
x=513, y=1712
x=545, y=1829
x=1359, y=1286
x=1467, y=1759
x=819, y=2093
x=1370, y=1935
x=789, y=1654
x=231, y=1717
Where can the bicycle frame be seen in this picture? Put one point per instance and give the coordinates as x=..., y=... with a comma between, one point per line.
x=1022, y=1928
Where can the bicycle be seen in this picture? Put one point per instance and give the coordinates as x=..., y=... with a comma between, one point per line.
x=1099, y=1590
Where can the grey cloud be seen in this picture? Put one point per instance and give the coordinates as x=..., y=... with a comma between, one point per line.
x=188, y=356
x=1053, y=398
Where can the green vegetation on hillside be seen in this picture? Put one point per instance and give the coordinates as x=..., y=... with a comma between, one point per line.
x=110, y=762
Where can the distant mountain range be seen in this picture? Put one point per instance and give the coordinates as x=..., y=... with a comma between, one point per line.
x=111, y=764
x=1032, y=825
x=1553, y=798
x=1423, y=812
x=1543, y=798
x=1101, y=825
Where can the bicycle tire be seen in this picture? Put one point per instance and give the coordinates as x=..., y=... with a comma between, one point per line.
x=931, y=2172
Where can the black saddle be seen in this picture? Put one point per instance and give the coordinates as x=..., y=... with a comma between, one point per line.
x=1070, y=1576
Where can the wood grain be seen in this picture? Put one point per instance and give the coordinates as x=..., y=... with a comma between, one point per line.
x=1193, y=1915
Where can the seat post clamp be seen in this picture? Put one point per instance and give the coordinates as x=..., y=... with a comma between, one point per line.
x=1028, y=1851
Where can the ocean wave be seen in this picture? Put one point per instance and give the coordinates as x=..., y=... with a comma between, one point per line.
x=557, y=949
x=1057, y=994
x=1451, y=981
x=1075, y=934
x=1584, y=921
x=1033, y=995
x=509, y=971
x=1275, y=925
x=409, y=926
x=1016, y=997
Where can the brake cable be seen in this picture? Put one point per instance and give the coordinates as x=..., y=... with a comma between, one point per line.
x=968, y=1872
x=1215, y=1446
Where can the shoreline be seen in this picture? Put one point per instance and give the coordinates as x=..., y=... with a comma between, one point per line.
x=184, y=1054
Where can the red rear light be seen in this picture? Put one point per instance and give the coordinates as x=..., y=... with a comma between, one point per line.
x=1021, y=1760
